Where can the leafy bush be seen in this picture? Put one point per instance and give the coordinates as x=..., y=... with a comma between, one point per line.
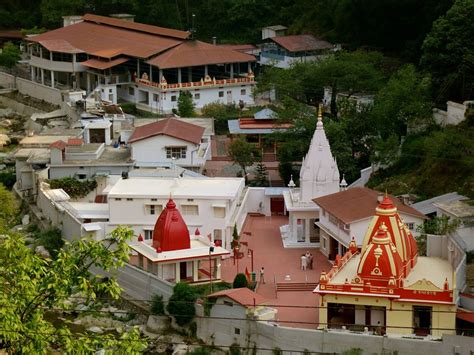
x=240, y=281
x=181, y=304
x=129, y=108
x=8, y=178
x=73, y=187
x=157, y=305
x=52, y=240
x=185, y=104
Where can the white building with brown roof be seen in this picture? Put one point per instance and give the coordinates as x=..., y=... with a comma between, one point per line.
x=283, y=51
x=143, y=64
x=347, y=214
x=168, y=142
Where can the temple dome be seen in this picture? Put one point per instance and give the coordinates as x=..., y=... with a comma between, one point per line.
x=170, y=232
x=380, y=261
x=386, y=216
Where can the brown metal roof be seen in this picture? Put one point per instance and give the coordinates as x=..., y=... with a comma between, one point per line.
x=140, y=27
x=243, y=296
x=104, y=41
x=238, y=47
x=301, y=43
x=358, y=203
x=170, y=127
x=195, y=53
x=101, y=64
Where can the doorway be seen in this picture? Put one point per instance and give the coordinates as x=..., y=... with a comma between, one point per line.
x=422, y=320
x=183, y=271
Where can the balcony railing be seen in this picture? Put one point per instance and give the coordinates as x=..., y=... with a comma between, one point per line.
x=208, y=83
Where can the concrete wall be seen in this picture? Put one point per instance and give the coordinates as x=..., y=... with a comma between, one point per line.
x=60, y=171
x=265, y=337
x=7, y=80
x=453, y=115
x=18, y=106
x=39, y=91
x=254, y=196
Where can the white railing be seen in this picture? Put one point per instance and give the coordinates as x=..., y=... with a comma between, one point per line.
x=210, y=83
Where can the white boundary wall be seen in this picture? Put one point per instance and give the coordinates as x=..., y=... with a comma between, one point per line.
x=263, y=335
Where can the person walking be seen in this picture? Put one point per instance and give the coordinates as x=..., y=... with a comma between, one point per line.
x=310, y=261
x=304, y=262
x=262, y=275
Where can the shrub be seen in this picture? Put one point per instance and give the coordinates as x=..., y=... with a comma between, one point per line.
x=181, y=304
x=52, y=240
x=157, y=305
x=8, y=178
x=74, y=188
x=129, y=108
x=240, y=281
x=185, y=104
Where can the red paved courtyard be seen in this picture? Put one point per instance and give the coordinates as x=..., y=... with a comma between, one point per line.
x=267, y=246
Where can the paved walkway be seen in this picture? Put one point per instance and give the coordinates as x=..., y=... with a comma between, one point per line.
x=278, y=262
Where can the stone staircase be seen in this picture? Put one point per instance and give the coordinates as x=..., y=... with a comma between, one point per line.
x=295, y=286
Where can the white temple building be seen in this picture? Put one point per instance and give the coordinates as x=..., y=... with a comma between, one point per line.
x=319, y=176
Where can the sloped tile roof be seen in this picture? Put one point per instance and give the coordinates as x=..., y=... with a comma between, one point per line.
x=195, y=53
x=300, y=43
x=242, y=296
x=170, y=127
x=358, y=203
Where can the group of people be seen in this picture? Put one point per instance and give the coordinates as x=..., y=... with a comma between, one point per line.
x=306, y=261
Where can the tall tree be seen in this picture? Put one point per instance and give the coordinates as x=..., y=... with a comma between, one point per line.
x=448, y=53
x=10, y=55
x=185, y=104
x=243, y=154
x=33, y=287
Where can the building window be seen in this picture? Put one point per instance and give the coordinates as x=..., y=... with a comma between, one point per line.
x=243, y=92
x=173, y=98
x=190, y=200
x=219, y=212
x=154, y=209
x=228, y=303
x=221, y=93
x=197, y=96
x=237, y=331
x=131, y=91
x=154, y=199
x=118, y=199
x=129, y=199
x=156, y=97
x=411, y=226
x=176, y=152
x=324, y=243
x=148, y=234
x=82, y=176
x=190, y=210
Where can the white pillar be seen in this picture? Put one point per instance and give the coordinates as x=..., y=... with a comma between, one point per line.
x=218, y=269
x=195, y=270
x=151, y=74
x=160, y=75
x=33, y=74
x=249, y=67
x=52, y=79
x=190, y=74
x=179, y=75
x=306, y=230
x=138, y=68
x=205, y=70
x=177, y=276
x=231, y=70
x=42, y=76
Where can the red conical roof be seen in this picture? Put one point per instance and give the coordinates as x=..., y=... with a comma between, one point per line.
x=170, y=232
x=386, y=216
x=380, y=261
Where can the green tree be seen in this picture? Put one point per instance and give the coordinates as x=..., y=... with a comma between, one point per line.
x=240, y=281
x=405, y=102
x=10, y=55
x=261, y=175
x=181, y=303
x=243, y=154
x=52, y=240
x=9, y=210
x=448, y=53
x=33, y=287
x=157, y=305
x=185, y=104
